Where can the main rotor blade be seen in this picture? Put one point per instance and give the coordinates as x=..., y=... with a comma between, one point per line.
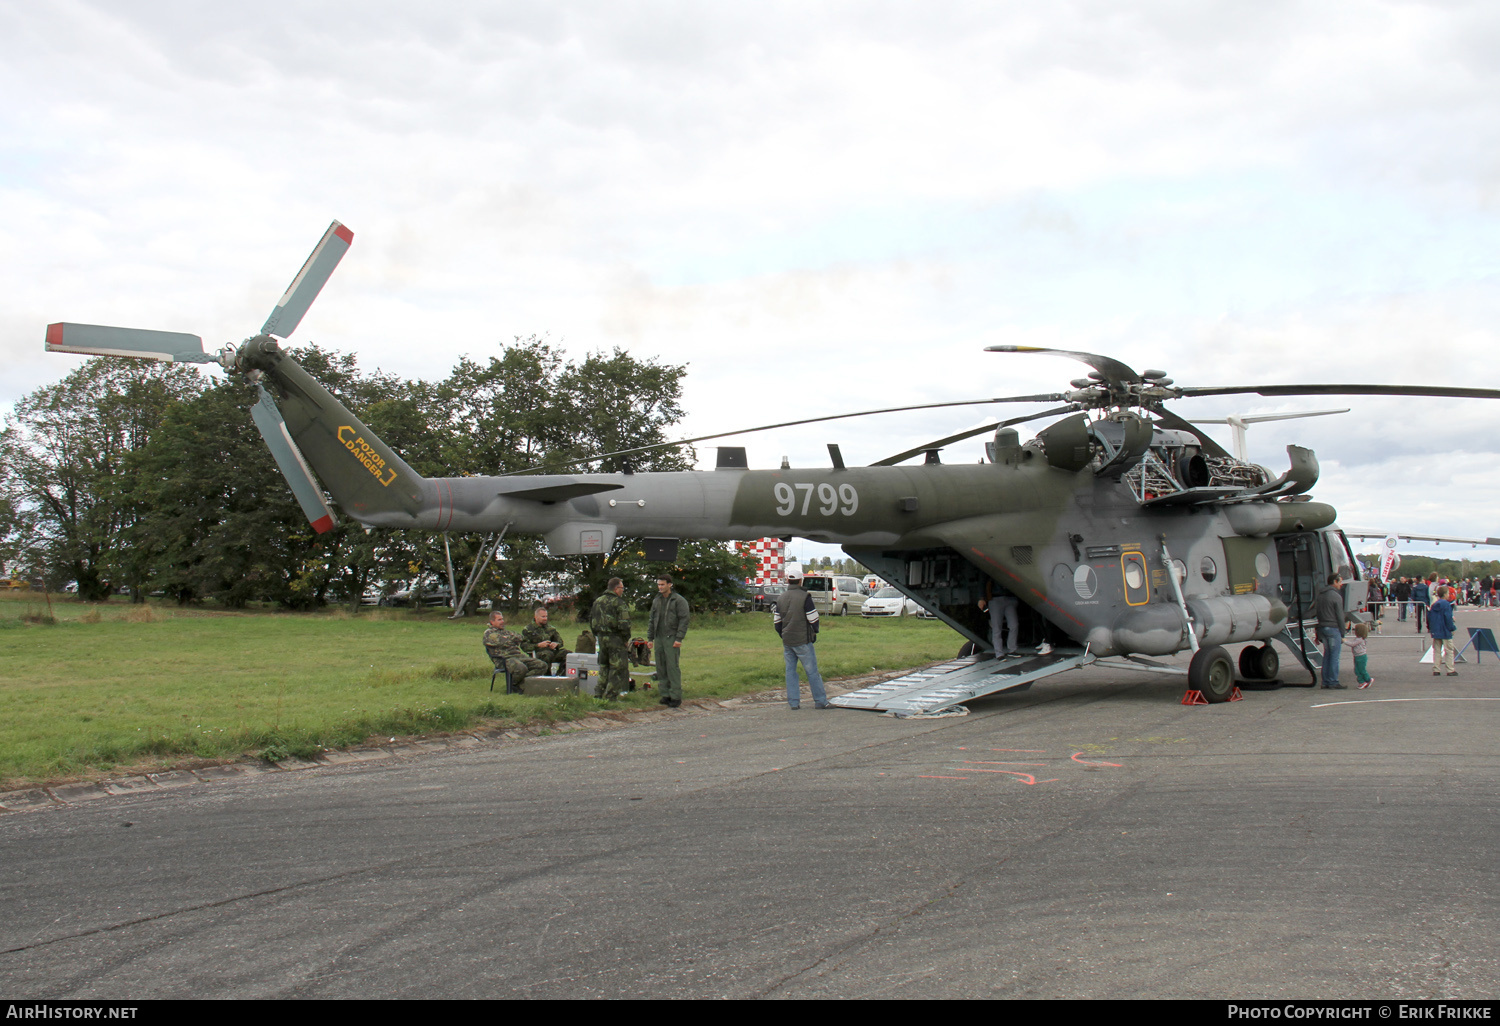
x=309, y=282
x=1432, y=390
x=1261, y=418
x=1365, y=535
x=289, y=458
x=137, y=343
x=1053, y=397
x=1113, y=370
x=891, y=461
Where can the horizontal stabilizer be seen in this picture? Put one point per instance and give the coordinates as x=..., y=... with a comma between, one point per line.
x=309, y=282
x=562, y=492
x=139, y=344
x=289, y=458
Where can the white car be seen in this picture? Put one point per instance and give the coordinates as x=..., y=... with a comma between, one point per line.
x=889, y=602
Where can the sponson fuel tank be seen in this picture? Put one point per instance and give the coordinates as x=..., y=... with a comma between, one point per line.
x=1159, y=629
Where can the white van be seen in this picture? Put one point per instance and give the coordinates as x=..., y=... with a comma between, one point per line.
x=834, y=594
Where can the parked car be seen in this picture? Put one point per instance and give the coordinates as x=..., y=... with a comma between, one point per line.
x=833, y=594
x=433, y=595
x=889, y=602
x=764, y=596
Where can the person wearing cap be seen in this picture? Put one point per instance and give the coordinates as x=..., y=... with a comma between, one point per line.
x=669, y=623
x=796, y=620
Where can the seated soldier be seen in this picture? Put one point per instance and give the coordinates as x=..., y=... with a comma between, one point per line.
x=505, y=652
x=545, y=642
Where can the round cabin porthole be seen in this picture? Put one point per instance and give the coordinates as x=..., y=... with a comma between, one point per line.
x=1262, y=565
x=1134, y=578
x=1208, y=568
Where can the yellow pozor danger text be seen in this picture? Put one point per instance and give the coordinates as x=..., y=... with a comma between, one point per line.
x=366, y=455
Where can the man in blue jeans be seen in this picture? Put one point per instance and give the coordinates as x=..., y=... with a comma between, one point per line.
x=1331, y=619
x=796, y=620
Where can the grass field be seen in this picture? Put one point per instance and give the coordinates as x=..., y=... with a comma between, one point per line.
x=102, y=687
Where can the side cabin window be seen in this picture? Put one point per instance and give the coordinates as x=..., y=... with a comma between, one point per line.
x=1341, y=556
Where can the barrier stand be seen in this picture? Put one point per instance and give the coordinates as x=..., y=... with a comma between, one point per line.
x=1483, y=640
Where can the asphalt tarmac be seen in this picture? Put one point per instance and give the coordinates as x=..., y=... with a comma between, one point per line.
x=1088, y=838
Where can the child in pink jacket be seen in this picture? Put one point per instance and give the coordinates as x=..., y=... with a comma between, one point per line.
x=1361, y=650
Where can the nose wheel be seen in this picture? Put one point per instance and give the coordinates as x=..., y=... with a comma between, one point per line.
x=1212, y=673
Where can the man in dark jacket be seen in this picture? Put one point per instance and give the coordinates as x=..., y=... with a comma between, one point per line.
x=1402, y=594
x=1331, y=619
x=669, y=624
x=1421, y=597
x=1440, y=626
x=796, y=620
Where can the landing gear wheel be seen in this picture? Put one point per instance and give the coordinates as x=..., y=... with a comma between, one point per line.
x=1212, y=673
x=1259, y=662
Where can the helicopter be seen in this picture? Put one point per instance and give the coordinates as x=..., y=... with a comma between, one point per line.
x=1126, y=531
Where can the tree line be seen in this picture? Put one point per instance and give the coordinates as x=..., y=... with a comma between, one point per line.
x=152, y=477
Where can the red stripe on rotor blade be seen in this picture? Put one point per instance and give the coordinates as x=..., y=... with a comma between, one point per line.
x=344, y=234
x=54, y=334
x=323, y=524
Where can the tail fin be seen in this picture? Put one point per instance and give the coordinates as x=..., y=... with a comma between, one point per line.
x=367, y=479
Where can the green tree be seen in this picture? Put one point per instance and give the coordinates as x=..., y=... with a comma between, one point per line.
x=66, y=447
x=217, y=518
x=17, y=527
x=615, y=402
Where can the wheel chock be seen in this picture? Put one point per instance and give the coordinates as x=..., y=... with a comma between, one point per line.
x=1197, y=698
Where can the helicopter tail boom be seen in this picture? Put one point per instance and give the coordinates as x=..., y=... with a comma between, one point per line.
x=368, y=480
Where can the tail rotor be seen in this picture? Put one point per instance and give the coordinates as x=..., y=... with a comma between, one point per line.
x=179, y=347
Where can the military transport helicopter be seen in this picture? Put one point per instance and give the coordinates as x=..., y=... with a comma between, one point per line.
x=1124, y=529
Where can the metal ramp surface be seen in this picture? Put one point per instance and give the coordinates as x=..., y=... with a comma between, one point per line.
x=960, y=680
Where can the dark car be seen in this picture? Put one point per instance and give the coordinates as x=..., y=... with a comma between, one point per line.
x=765, y=595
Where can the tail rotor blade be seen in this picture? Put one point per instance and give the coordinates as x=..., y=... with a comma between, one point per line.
x=139, y=344
x=293, y=467
x=309, y=282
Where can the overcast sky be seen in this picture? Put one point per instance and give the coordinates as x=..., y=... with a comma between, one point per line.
x=817, y=207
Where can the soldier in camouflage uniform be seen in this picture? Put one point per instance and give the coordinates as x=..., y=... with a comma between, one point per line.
x=504, y=649
x=610, y=619
x=544, y=640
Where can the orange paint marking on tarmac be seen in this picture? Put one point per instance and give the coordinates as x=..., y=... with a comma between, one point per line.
x=1085, y=762
x=1025, y=778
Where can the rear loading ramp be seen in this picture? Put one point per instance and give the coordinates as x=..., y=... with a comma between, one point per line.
x=947, y=684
